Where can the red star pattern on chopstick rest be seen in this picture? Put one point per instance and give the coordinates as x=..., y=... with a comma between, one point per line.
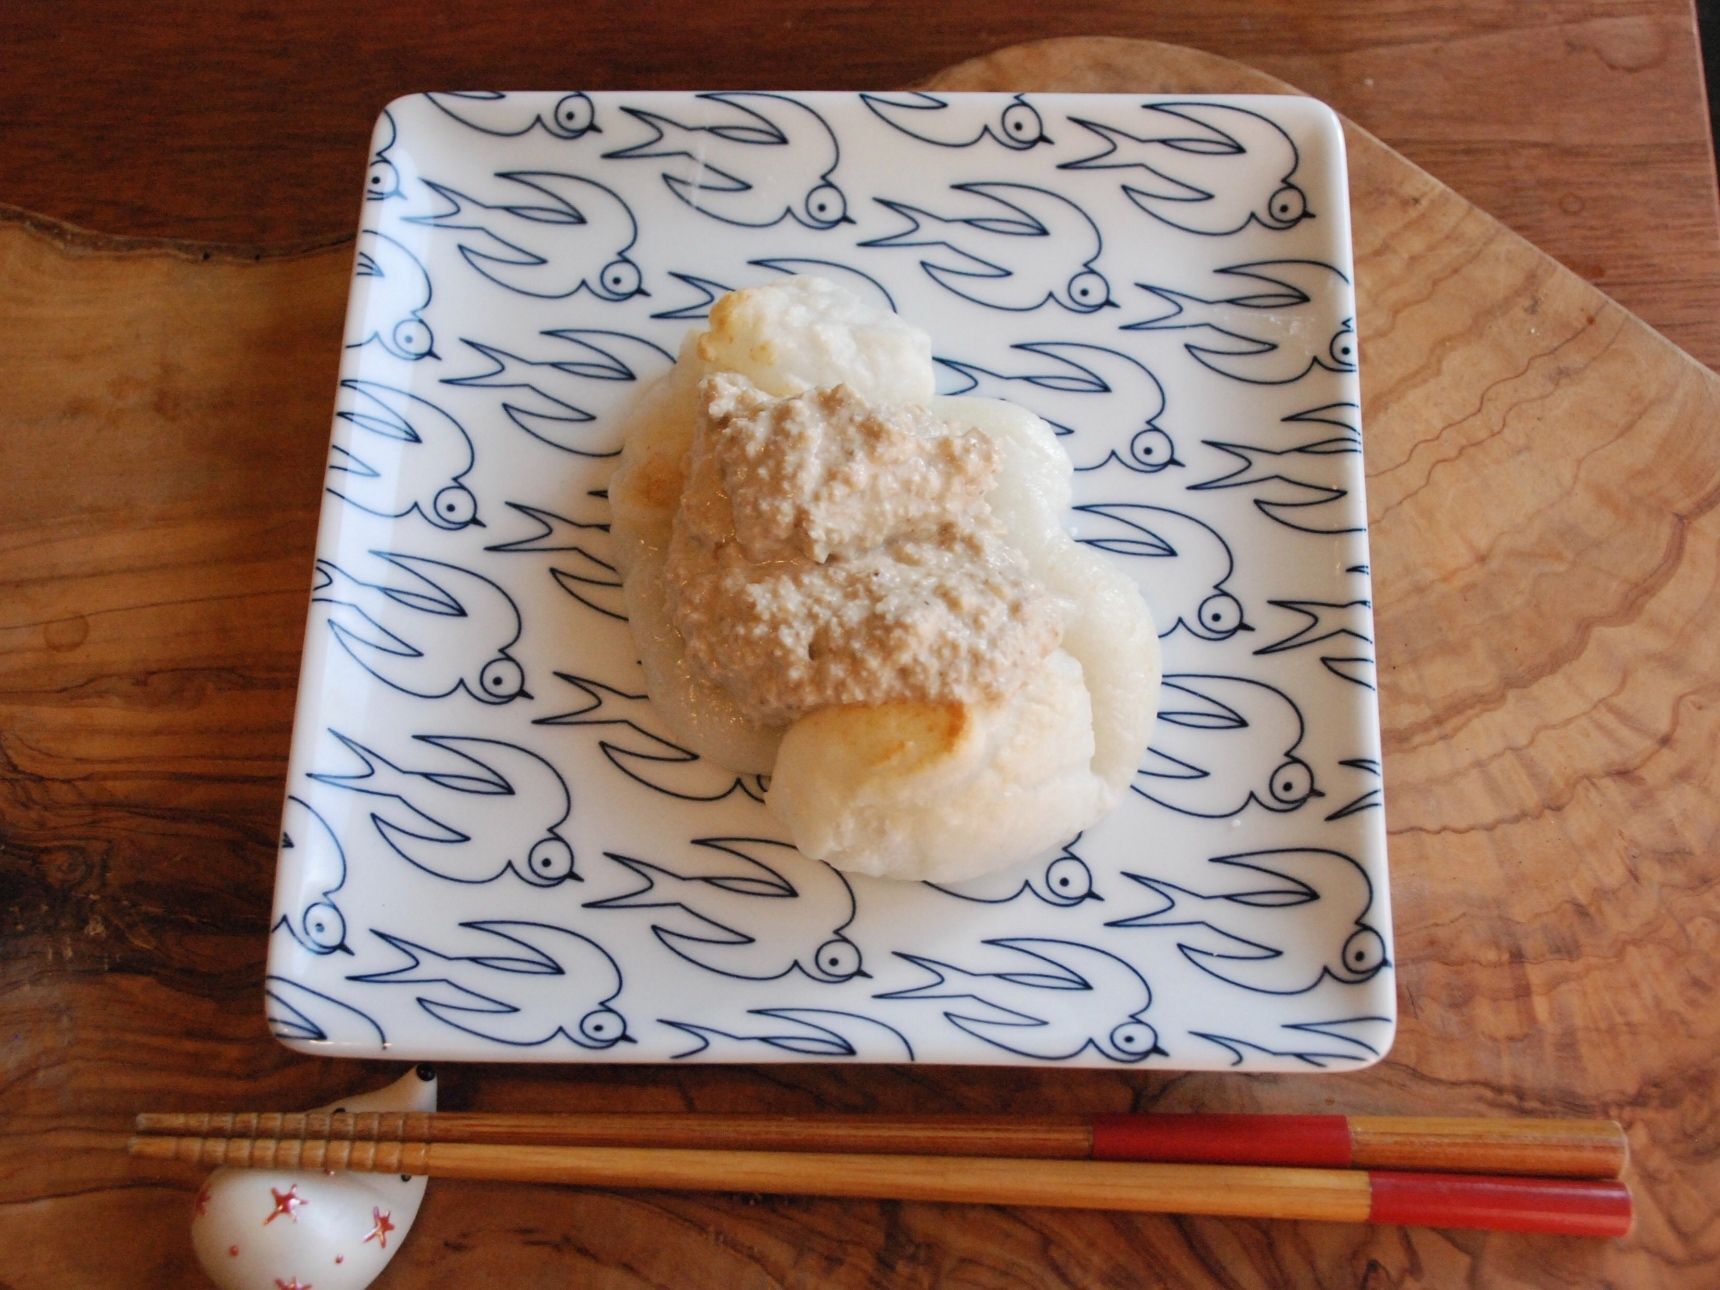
x=286, y=1202
x=383, y=1227
x=201, y=1204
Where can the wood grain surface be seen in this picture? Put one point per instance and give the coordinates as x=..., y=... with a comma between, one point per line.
x=1579, y=123
x=1544, y=470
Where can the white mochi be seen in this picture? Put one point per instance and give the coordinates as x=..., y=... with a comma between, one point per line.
x=941, y=791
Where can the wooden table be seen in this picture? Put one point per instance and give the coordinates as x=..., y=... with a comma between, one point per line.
x=1552, y=793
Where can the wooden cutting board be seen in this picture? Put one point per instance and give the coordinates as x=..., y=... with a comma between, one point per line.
x=1543, y=472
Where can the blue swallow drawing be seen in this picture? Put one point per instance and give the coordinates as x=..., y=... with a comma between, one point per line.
x=731, y=913
x=549, y=393
x=594, y=583
x=1291, y=317
x=485, y=808
x=395, y=454
x=311, y=854
x=706, y=292
x=591, y=580
x=1051, y=1000
x=572, y=116
x=390, y=292
x=1369, y=1032
x=1026, y=247
x=1302, y=485
x=299, y=1014
x=1223, y=743
x=451, y=630
x=624, y=725
x=770, y=159
x=802, y=1032
x=1064, y=881
x=554, y=533
x=559, y=235
x=1103, y=404
x=858, y=281
x=1181, y=563
x=1348, y=627
x=1275, y=922
x=960, y=122
x=1316, y=1053
x=1215, y=168
x=1371, y=798
x=521, y=983
x=382, y=180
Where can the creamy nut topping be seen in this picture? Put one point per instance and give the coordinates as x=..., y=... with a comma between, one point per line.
x=830, y=552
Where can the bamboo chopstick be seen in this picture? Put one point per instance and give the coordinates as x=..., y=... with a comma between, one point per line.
x=1537, y=1147
x=1566, y=1206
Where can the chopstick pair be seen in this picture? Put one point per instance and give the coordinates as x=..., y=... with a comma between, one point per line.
x=1520, y=1175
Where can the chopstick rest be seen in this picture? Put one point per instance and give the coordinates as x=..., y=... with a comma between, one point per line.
x=306, y=1227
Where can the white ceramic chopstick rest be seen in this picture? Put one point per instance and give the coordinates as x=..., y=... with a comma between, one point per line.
x=262, y=1229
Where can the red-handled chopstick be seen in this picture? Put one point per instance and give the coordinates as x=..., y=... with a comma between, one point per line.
x=1543, y=1147
x=1539, y=1147
x=1573, y=1207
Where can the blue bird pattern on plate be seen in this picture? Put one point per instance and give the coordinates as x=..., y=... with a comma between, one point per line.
x=490, y=847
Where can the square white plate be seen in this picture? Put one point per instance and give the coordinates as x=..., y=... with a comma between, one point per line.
x=490, y=850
